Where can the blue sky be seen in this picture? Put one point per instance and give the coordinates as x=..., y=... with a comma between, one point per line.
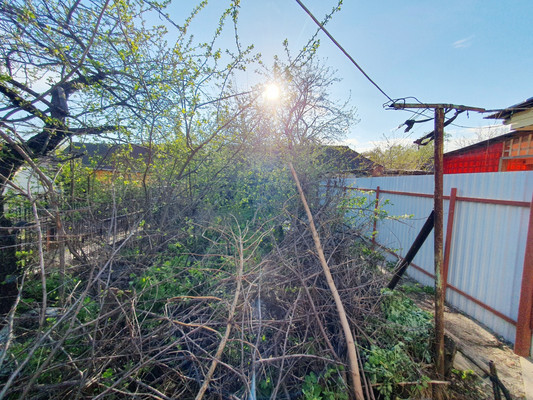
x=472, y=52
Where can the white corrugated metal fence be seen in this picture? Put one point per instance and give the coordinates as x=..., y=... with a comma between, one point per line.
x=488, y=239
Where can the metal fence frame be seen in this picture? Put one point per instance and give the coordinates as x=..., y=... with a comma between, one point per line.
x=488, y=255
x=82, y=228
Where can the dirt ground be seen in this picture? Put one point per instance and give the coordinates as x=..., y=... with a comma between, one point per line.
x=482, y=346
x=476, y=345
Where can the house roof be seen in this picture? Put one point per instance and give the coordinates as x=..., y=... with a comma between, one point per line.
x=509, y=111
x=104, y=154
x=339, y=159
x=394, y=172
x=342, y=159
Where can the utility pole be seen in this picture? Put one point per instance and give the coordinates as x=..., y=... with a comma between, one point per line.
x=440, y=290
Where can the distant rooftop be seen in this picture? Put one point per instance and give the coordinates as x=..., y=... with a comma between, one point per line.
x=509, y=111
x=345, y=160
x=104, y=153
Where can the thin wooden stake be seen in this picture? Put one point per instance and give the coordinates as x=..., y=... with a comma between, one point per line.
x=350, y=342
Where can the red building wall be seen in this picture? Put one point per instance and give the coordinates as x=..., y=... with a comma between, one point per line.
x=486, y=159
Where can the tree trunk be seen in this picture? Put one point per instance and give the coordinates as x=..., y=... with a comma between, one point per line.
x=8, y=263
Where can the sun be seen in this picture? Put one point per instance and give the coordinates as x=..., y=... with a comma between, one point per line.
x=272, y=92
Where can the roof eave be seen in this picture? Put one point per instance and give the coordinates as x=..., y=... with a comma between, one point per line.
x=509, y=111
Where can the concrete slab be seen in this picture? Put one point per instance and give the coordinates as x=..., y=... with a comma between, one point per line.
x=527, y=376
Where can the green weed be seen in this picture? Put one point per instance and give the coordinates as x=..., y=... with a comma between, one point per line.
x=329, y=386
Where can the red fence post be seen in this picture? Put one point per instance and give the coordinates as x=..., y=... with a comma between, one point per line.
x=448, y=243
x=522, y=345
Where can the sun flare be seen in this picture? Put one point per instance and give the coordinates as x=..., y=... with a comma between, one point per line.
x=272, y=92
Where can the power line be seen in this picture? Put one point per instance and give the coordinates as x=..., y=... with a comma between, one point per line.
x=416, y=114
x=342, y=49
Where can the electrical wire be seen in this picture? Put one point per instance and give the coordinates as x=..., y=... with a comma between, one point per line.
x=342, y=49
x=431, y=135
x=391, y=101
x=464, y=126
x=417, y=114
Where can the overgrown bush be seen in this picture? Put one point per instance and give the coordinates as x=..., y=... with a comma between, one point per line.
x=403, y=346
